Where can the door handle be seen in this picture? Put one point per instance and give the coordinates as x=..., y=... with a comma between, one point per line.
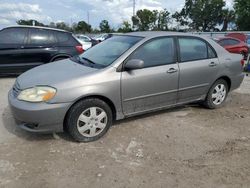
x=172, y=70
x=212, y=64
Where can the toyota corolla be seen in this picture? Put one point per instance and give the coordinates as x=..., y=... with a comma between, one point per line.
x=123, y=76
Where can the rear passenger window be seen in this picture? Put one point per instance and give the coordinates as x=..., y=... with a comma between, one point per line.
x=192, y=49
x=157, y=52
x=41, y=37
x=211, y=53
x=62, y=37
x=13, y=36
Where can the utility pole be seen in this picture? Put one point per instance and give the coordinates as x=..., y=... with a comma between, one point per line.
x=133, y=27
x=133, y=7
x=88, y=16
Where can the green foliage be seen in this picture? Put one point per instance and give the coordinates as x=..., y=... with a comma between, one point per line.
x=125, y=27
x=82, y=27
x=151, y=20
x=228, y=16
x=201, y=14
x=242, y=9
x=105, y=27
x=63, y=26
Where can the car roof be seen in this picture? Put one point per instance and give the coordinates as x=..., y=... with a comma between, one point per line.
x=37, y=27
x=151, y=34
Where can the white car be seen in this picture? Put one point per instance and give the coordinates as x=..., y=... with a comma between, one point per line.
x=85, y=41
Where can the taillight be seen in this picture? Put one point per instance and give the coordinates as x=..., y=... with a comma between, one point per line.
x=242, y=62
x=79, y=49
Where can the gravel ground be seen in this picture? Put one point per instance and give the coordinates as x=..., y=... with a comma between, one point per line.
x=183, y=147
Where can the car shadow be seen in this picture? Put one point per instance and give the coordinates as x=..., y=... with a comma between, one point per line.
x=156, y=113
x=11, y=126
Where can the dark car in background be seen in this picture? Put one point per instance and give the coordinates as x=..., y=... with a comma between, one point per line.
x=24, y=47
x=234, y=45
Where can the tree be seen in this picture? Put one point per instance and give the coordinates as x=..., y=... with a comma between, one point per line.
x=242, y=10
x=82, y=27
x=125, y=27
x=228, y=16
x=144, y=20
x=105, y=27
x=201, y=14
x=63, y=26
x=163, y=19
x=151, y=20
x=29, y=22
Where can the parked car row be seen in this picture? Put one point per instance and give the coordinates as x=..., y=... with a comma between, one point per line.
x=238, y=43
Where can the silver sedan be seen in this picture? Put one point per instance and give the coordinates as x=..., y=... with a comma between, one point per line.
x=123, y=76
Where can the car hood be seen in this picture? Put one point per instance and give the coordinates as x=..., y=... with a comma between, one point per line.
x=54, y=74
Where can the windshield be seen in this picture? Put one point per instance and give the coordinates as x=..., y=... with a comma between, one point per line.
x=109, y=50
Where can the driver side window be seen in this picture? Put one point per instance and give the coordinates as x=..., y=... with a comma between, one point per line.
x=156, y=52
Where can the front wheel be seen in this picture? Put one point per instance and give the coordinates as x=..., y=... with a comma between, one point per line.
x=88, y=120
x=217, y=94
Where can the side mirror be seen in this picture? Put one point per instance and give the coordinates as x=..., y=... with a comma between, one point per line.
x=134, y=64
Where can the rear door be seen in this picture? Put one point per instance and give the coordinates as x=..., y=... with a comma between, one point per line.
x=11, y=49
x=40, y=48
x=198, y=64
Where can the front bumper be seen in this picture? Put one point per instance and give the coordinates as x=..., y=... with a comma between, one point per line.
x=38, y=117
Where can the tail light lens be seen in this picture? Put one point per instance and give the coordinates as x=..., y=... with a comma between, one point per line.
x=79, y=49
x=242, y=62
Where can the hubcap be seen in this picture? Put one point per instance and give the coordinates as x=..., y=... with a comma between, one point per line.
x=219, y=94
x=92, y=122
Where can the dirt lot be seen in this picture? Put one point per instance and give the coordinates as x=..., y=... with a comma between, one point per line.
x=183, y=147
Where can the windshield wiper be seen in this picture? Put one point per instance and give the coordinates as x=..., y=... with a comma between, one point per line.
x=86, y=59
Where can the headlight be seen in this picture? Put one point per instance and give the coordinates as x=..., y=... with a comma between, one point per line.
x=37, y=94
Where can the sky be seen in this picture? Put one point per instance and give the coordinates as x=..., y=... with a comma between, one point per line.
x=70, y=11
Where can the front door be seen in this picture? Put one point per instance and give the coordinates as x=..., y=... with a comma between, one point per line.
x=154, y=86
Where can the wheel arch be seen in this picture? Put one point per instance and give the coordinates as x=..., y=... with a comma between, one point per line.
x=103, y=98
x=227, y=79
x=60, y=56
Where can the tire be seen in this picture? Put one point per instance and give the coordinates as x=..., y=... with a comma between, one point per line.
x=214, y=101
x=88, y=120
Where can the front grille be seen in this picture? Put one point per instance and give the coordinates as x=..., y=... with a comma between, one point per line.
x=16, y=89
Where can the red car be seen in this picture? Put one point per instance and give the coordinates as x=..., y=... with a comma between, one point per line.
x=234, y=45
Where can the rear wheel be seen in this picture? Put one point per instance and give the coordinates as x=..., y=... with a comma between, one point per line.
x=88, y=120
x=217, y=94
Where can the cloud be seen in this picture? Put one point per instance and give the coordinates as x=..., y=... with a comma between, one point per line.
x=118, y=10
x=11, y=12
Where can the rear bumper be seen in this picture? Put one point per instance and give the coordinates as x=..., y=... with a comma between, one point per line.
x=236, y=81
x=38, y=117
